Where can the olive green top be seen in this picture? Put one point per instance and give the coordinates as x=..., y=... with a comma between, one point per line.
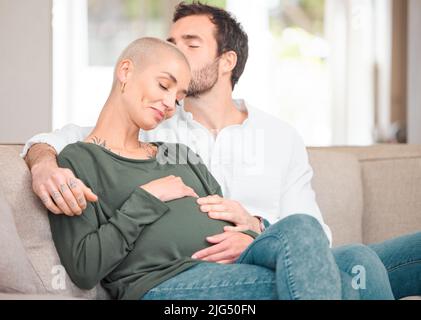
x=130, y=240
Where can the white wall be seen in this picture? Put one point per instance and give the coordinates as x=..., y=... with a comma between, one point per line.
x=414, y=72
x=25, y=69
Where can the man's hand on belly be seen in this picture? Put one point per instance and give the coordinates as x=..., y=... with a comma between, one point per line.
x=227, y=247
x=229, y=210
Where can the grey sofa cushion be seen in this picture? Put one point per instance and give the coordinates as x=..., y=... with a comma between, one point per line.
x=16, y=272
x=391, y=180
x=339, y=194
x=33, y=228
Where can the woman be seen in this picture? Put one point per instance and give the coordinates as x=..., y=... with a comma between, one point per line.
x=145, y=226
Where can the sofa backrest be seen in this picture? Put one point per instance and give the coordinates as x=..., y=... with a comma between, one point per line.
x=391, y=179
x=339, y=194
x=17, y=275
x=33, y=226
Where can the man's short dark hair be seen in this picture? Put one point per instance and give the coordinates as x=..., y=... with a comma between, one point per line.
x=229, y=36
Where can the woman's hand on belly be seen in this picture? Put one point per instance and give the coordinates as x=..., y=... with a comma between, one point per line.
x=169, y=188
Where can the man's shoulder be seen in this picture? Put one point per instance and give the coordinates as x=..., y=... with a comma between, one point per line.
x=72, y=128
x=276, y=126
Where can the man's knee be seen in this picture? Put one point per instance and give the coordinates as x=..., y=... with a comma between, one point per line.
x=358, y=255
x=300, y=220
x=300, y=226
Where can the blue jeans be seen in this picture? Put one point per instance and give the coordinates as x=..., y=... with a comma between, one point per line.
x=290, y=260
x=402, y=258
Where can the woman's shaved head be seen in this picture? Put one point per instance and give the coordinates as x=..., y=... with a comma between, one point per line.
x=145, y=51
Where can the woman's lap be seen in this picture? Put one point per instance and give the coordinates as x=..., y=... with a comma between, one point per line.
x=248, y=281
x=213, y=281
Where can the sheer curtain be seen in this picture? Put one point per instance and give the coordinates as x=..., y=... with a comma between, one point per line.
x=360, y=35
x=294, y=88
x=350, y=30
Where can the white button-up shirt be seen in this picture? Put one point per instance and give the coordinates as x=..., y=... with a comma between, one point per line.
x=262, y=163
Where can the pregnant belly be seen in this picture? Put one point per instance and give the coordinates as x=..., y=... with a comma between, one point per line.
x=180, y=232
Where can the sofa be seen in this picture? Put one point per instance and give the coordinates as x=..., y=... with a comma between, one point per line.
x=366, y=194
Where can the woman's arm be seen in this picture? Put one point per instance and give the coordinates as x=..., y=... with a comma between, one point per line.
x=90, y=251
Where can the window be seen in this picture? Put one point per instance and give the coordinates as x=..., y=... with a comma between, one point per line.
x=113, y=24
x=313, y=60
x=288, y=54
x=88, y=36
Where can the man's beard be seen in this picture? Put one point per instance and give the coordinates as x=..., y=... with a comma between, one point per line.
x=203, y=80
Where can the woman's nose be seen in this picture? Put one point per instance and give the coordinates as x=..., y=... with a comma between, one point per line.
x=169, y=102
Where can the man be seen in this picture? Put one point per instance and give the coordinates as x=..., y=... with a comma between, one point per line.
x=266, y=174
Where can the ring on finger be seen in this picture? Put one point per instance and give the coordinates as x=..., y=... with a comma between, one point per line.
x=72, y=183
x=56, y=195
x=63, y=188
x=44, y=199
x=81, y=200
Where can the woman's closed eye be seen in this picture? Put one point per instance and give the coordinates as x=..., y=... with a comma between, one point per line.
x=177, y=102
x=163, y=87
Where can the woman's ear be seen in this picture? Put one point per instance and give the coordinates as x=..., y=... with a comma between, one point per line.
x=124, y=70
x=228, y=61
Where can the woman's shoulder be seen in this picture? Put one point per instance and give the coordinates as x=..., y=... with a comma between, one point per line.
x=78, y=149
x=80, y=154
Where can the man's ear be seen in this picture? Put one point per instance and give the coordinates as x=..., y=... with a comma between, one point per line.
x=124, y=70
x=228, y=61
